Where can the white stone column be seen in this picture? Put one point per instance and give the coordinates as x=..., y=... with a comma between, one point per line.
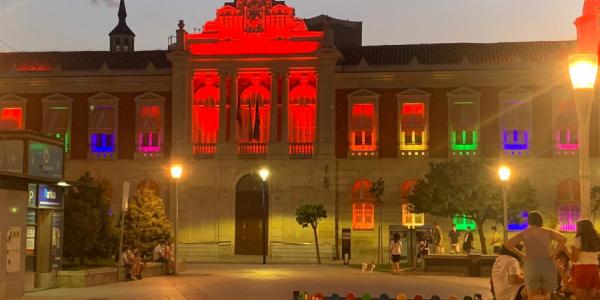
x=181, y=105
x=222, y=137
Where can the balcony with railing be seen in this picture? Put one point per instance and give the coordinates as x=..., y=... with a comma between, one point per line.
x=205, y=151
x=301, y=150
x=252, y=150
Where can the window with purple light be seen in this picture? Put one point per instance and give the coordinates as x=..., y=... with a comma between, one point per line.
x=568, y=197
x=515, y=122
x=149, y=129
x=102, y=126
x=568, y=216
x=565, y=135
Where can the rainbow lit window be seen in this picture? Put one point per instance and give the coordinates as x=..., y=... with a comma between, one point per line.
x=520, y=223
x=413, y=134
x=463, y=223
x=363, y=133
x=363, y=205
x=464, y=137
x=302, y=115
x=205, y=119
x=102, y=130
x=516, y=127
x=56, y=124
x=566, y=138
x=409, y=218
x=11, y=118
x=149, y=136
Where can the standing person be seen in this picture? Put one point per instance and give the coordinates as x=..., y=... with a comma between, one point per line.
x=584, y=255
x=170, y=255
x=508, y=280
x=496, y=240
x=158, y=255
x=454, y=237
x=468, y=241
x=438, y=242
x=396, y=252
x=540, y=270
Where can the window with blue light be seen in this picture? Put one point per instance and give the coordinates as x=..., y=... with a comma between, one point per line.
x=519, y=223
x=515, y=124
x=102, y=135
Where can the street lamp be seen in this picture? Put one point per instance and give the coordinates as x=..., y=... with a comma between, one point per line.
x=504, y=174
x=264, y=175
x=583, y=69
x=176, y=174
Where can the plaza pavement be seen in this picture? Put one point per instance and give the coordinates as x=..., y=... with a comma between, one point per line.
x=243, y=281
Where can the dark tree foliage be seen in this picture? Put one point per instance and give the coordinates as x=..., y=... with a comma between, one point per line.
x=146, y=221
x=470, y=188
x=311, y=214
x=89, y=228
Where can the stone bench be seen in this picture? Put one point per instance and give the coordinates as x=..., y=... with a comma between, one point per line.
x=100, y=276
x=473, y=265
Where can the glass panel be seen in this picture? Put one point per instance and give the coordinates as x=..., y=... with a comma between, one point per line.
x=102, y=118
x=11, y=118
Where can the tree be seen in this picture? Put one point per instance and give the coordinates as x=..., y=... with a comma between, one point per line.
x=146, y=221
x=377, y=189
x=89, y=228
x=311, y=214
x=470, y=188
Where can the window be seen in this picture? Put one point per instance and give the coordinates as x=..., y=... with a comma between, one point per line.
x=302, y=114
x=205, y=121
x=12, y=112
x=464, y=121
x=363, y=205
x=520, y=223
x=149, y=125
x=565, y=134
x=363, y=106
x=413, y=130
x=567, y=201
x=103, y=126
x=515, y=122
x=57, y=118
x=408, y=217
x=463, y=223
x=254, y=114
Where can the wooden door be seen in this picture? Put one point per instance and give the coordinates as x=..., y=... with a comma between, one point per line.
x=249, y=216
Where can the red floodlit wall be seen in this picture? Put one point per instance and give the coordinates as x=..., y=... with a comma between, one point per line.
x=255, y=97
x=205, y=118
x=302, y=109
x=254, y=27
x=588, y=31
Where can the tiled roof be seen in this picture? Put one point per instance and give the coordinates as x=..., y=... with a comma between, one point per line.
x=82, y=60
x=498, y=53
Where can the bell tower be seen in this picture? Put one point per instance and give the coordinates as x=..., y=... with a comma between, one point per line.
x=122, y=37
x=588, y=27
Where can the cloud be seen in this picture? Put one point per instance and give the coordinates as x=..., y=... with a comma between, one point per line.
x=109, y=3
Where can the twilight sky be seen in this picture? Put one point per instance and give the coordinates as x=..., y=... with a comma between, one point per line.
x=41, y=25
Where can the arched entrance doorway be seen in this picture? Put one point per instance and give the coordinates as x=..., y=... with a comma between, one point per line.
x=249, y=215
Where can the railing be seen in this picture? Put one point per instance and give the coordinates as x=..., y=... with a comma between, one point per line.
x=301, y=150
x=207, y=151
x=252, y=149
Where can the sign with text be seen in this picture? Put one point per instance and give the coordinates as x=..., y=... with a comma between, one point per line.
x=45, y=160
x=49, y=197
x=31, y=195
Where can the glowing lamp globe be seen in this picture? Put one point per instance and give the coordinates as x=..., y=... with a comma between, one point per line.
x=264, y=174
x=504, y=173
x=583, y=69
x=176, y=171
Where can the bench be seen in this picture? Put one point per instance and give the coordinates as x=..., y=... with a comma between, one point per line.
x=100, y=276
x=473, y=265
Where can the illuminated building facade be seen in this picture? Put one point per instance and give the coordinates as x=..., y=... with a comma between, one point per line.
x=260, y=87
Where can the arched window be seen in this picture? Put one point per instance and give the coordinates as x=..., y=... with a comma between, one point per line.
x=363, y=205
x=567, y=201
x=252, y=128
x=302, y=117
x=408, y=217
x=206, y=116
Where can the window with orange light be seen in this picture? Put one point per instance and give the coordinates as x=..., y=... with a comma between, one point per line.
x=205, y=120
x=413, y=127
x=149, y=135
x=11, y=118
x=254, y=128
x=363, y=205
x=362, y=127
x=409, y=218
x=302, y=118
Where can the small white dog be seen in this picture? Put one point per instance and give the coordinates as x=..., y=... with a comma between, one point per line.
x=368, y=267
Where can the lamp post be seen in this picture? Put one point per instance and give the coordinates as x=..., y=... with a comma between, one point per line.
x=583, y=69
x=504, y=174
x=176, y=173
x=264, y=175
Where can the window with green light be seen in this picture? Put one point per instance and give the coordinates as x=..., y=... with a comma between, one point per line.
x=464, y=135
x=462, y=223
